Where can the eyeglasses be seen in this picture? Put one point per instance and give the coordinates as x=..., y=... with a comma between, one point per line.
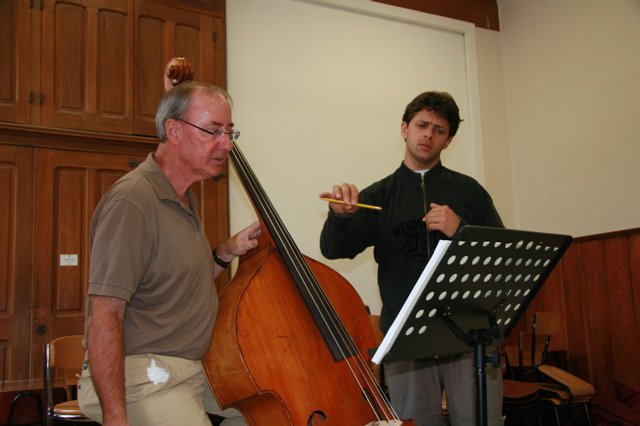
x=233, y=134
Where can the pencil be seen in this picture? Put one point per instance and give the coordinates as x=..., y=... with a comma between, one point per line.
x=364, y=206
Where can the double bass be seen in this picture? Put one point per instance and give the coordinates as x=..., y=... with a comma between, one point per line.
x=290, y=342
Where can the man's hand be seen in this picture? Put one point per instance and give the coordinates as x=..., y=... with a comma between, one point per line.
x=347, y=193
x=240, y=243
x=443, y=219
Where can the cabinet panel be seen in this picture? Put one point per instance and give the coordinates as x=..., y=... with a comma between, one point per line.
x=16, y=258
x=163, y=33
x=69, y=185
x=98, y=65
x=15, y=60
x=87, y=62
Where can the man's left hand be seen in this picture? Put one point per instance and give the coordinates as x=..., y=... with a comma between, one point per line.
x=443, y=219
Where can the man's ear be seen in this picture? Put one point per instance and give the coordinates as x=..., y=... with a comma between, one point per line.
x=446, y=144
x=403, y=130
x=172, y=130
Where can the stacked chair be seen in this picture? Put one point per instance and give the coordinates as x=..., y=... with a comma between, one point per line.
x=557, y=388
x=521, y=400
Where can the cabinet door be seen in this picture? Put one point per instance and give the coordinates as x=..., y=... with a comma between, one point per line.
x=86, y=65
x=15, y=60
x=163, y=33
x=69, y=186
x=16, y=258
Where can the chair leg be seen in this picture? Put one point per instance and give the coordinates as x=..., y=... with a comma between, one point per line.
x=539, y=413
x=555, y=410
x=587, y=412
x=15, y=402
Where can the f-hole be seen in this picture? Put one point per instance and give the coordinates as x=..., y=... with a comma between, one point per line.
x=316, y=415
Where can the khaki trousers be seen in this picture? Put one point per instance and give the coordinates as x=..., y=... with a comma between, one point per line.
x=161, y=390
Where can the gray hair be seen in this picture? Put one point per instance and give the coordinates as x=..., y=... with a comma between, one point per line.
x=176, y=101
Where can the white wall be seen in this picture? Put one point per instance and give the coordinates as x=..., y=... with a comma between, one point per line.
x=319, y=93
x=572, y=71
x=497, y=155
x=558, y=93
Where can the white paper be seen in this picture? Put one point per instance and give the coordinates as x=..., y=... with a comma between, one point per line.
x=68, y=260
x=418, y=289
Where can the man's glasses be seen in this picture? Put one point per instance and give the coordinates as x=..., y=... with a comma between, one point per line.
x=233, y=134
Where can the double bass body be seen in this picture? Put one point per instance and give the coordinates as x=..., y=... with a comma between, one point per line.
x=274, y=365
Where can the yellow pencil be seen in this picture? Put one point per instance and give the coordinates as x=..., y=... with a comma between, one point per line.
x=364, y=206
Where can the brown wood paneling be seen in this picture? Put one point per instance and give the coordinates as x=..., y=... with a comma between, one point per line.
x=69, y=185
x=67, y=98
x=163, y=33
x=595, y=299
x=482, y=13
x=596, y=289
x=574, y=311
x=87, y=58
x=15, y=60
x=16, y=252
x=634, y=268
x=625, y=362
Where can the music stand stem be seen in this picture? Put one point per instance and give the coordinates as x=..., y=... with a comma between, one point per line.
x=478, y=339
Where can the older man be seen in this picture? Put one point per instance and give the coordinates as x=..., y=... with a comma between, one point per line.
x=152, y=301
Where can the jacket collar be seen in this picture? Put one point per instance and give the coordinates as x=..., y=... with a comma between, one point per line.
x=413, y=178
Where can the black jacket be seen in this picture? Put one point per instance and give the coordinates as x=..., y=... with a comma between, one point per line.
x=398, y=233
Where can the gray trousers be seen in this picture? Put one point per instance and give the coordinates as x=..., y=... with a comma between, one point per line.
x=415, y=390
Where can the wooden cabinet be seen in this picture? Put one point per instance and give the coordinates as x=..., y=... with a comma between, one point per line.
x=15, y=61
x=97, y=64
x=47, y=201
x=163, y=32
x=52, y=195
x=86, y=65
x=16, y=258
x=80, y=82
x=68, y=187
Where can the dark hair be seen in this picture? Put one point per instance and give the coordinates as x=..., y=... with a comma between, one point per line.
x=440, y=103
x=176, y=101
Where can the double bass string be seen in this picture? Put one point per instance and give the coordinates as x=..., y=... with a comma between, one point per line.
x=307, y=279
x=275, y=226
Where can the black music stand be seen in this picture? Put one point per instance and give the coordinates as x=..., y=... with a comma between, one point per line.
x=472, y=293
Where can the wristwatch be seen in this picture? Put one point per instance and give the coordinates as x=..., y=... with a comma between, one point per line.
x=218, y=260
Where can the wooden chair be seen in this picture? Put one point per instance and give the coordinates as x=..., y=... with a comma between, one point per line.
x=66, y=354
x=21, y=411
x=558, y=387
x=519, y=362
x=520, y=400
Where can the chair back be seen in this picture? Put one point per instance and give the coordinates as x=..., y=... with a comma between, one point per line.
x=545, y=326
x=546, y=323
x=67, y=354
x=531, y=348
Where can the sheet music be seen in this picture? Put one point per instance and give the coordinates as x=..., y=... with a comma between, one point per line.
x=418, y=289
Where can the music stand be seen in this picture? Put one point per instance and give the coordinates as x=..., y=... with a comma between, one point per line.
x=472, y=293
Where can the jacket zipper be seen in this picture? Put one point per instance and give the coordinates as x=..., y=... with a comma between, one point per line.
x=424, y=203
